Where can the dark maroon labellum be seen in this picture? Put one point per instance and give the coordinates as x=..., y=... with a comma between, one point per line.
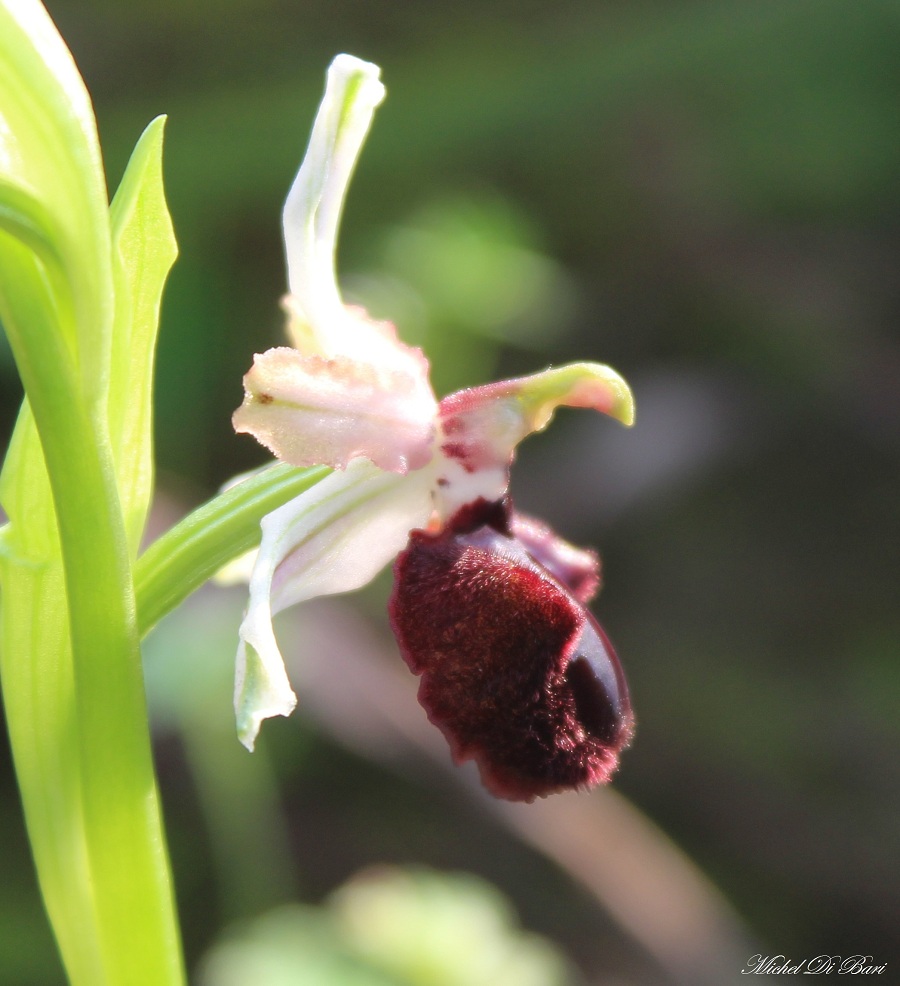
x=516, y=673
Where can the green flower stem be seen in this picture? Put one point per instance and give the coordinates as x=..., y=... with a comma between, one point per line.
x=125, y=846
x=211, y=536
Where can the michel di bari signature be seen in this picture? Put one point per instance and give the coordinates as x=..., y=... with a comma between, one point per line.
x=781, y=965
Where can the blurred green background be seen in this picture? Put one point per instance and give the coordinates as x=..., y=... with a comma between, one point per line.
x=707, y=197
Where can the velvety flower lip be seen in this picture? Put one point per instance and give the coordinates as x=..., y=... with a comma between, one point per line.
x=577, y=568
x=488, y=605
x=514, y=671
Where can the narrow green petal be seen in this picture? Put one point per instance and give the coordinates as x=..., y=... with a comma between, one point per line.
x=482, y=426
x=590, y=385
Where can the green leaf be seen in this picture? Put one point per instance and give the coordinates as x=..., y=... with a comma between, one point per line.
x=72, y=681
x=144, y=250
x=50, y=156
x=38, y=686
x=74, y=630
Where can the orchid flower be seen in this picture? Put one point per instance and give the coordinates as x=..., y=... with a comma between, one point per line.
x=488, y=605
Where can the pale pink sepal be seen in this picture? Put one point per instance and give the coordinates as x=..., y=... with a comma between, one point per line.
x=334, y=538
x=311, y=410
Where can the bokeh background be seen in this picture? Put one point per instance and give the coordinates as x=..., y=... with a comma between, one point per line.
x=702, y=194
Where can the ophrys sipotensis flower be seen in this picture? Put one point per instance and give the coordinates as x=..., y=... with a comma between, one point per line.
x=488, y=606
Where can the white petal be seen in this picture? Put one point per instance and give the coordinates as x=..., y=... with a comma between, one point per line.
x=335, y=537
